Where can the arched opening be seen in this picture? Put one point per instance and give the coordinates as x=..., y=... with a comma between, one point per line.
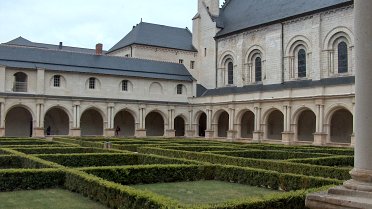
x=91, y=123
x=258, y=69
x=154, y=124
x=275, y=124
x=18, y=123
x=223, y=124
x=124, y=124
x=202, y=123
x=179, y=126
x=342, y=57
x=306, y=126
x=301, y=58
x=230, y=73
x=341, y=126
x=247, y=125
x=20, y=82
x=56, y=122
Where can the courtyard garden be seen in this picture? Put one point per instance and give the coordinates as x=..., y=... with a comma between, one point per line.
x=151, y=173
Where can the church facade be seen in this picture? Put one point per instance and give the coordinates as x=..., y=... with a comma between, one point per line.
x=259, y=70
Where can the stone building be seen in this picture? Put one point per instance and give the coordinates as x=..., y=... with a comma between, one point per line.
x=255, y=70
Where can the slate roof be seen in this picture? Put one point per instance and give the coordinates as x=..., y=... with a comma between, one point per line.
x=20, y=41
x=238, y=15
x=157, y=35
x=56, y=60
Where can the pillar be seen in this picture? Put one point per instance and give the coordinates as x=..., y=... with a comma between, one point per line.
x=287, y=135
x=170, y=132
x=190, y=132
x=231, y=133
x=110, y=129
x=357, y=193
x=75, y=130
x=2, y=119
x=209, y=133
x=320, y=136
x=257, y=134
x=141, y=131
x=39, y=122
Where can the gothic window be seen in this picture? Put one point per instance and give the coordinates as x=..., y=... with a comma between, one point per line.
x=301, y=58
x=230, y=73
x=92, y=83
x=179, y=89
x=57, y=81
x=342, y=57
x=258, y=69
x=124, y=85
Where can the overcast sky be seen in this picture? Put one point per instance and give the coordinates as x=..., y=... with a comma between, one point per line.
x=84, y=23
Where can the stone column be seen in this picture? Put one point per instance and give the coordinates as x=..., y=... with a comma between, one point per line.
x=170, y=132
x=75, y=130
x=141, y=131
x=39, y=126
x=209, y=133
x=320, y=136
x=250, y=71
x=357, y=193
x=2, y=119
x=354, y=121
x=190, y=132
x=362, y=173
x=257, y=134
x=110, y=129
x=231, y=133
x=287, y=135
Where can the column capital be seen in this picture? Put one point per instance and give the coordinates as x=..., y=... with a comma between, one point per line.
x=76, y=103
x=111, y=105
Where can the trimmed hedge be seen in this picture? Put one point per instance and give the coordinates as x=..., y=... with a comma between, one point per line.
x=199, y=148
x=280, y=166
x=23, y=142
x=327, y=161
x=270, y=154
x=79, y=142
x=64, y=150
x=26, y=179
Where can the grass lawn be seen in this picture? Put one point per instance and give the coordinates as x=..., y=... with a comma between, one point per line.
x=205, y=192
x=46, y=199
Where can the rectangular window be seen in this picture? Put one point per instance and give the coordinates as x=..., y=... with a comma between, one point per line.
x=192, y=64
x=92, y=83
x=180, y=61
x=179, y=88
x=205, y=52
x=124, y=86
x=57, y=81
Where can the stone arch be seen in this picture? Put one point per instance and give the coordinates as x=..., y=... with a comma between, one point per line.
x=19, y=121
x=92, y=122
x=155, y=123
x=340, y=125
x=20, y=83
x=221, y=120
x=226, y=56
x=255, y=59
x=156, y=88
x=129, y=86
x=183, y=89
x=246, y=120
x=57, y=121
x=125, y=121
x=274, y=121
x=297, y=41
x=255, y=49
x=180, y=125
x=97, y=83
x=201, y=121
x=305, y=125
x=63, y=81
x=335, y=34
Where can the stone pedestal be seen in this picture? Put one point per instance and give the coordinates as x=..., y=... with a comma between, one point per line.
x=287, y=138
x=38, y=132
x=231, y=134
x=140, y=133
x=257, y=136
x=109, y=132
x=2, y=132
x=190, y=133
x=209, y=134
x=76, y=132
x=320, y=139
x=170, y=133
x=352, y=140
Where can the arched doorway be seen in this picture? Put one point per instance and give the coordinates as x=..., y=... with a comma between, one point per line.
x=306, y=125
x=125, y=121
x=223, y=124
x=18, y=123
x=154, y=124
x=179, y=126
x=275, y=125
x=56, y=121
x=202, y=124
x=341, y=126
x=247, y=125
x=91, y=123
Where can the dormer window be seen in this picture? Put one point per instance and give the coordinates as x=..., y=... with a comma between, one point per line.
x=180, y=61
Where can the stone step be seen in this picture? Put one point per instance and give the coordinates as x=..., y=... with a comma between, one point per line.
x=325, y=200
x=342, y=191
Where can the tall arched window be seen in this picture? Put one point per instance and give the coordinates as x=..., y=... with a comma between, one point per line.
x=20, y=82
x=301, y=63
x=258, y=69
x=342, y=57
x=230, y=73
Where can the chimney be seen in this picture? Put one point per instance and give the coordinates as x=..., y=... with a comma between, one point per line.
x=99, y=49
x=60, y=45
